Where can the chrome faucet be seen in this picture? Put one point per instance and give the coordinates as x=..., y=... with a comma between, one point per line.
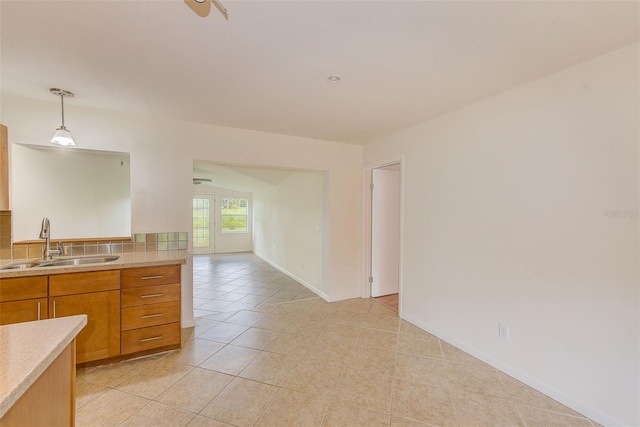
x=45, y=233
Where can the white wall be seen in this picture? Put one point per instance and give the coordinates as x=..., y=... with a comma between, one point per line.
x=162, y=153
x=227, y=242
x=84, y=193
x=506, y=220
x=288, y=227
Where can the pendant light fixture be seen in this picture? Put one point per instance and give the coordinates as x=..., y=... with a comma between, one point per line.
x=62, y=135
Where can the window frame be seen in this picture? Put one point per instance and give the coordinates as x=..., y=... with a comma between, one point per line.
x=222, y=215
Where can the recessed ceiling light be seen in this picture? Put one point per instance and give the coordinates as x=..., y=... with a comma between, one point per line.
x=334, y=79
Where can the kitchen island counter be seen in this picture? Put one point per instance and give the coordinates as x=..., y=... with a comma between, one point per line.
x=28, y=349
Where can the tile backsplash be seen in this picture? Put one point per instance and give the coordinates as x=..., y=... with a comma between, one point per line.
x=161, y=241
x=140, y=242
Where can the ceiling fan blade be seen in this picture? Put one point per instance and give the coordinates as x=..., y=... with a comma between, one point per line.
x=198, y=181
x=201, y=9
x=221, y=8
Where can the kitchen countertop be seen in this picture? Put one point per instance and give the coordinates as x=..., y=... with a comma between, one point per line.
x=126, y=260
x=26, y=351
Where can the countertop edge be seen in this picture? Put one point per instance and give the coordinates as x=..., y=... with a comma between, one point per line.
x=127, y=260
x=72, y=324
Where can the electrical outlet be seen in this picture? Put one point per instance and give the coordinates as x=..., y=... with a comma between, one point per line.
x=503, y=331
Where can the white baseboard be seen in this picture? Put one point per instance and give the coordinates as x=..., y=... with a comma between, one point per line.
x=297, y=279
x=188, y=323
x=531, y=381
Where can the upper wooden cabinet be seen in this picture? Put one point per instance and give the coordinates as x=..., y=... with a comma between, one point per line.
x=4, y=168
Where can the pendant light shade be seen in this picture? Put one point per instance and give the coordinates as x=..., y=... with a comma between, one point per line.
x=62, y=136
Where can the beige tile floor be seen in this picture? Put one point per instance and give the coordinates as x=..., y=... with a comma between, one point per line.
x=304, y=362
x=231, y=282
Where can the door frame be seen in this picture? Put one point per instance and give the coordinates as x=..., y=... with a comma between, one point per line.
x=213, y=220
x=366, y=224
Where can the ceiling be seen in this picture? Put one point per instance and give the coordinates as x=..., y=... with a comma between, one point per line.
x=240, y=177
x=265, y=68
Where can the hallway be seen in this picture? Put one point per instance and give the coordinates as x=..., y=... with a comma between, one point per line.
x=240, y=281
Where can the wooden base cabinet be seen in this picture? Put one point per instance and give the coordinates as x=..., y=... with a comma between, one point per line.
x=100, y=339
x=150, y=308
x=149, y=338
x=23, y=299
x=96, y=294
x=128, y=311
x=23, y=311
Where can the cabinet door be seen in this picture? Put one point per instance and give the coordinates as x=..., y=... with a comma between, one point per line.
x=101, y=337
x=23, y=311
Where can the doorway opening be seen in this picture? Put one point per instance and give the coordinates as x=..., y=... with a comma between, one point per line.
x=279, y=214
x=384, y=235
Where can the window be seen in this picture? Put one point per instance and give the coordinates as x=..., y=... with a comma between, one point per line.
x=234, y=215
x=201, y=215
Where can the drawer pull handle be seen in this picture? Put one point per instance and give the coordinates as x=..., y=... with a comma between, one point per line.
x=151, y=277
x=38, y=311
x=150, y=296
x=159, y=337
x=151, y=316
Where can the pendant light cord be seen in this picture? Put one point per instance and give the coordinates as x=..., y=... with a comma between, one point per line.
x=62, y=105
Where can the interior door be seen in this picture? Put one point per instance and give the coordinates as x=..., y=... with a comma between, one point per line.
x=204, y=223
x=385, y=231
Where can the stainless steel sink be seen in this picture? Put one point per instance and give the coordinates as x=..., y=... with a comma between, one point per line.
x=20, y=265
x=59, y=262
x=79, y=261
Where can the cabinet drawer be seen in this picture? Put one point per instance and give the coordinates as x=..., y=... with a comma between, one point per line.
x=150, y=315
x=23, y=288
x=142, y=277
x=23, y=311
x=150, y=295
x=81, y=283
x=149, y=338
